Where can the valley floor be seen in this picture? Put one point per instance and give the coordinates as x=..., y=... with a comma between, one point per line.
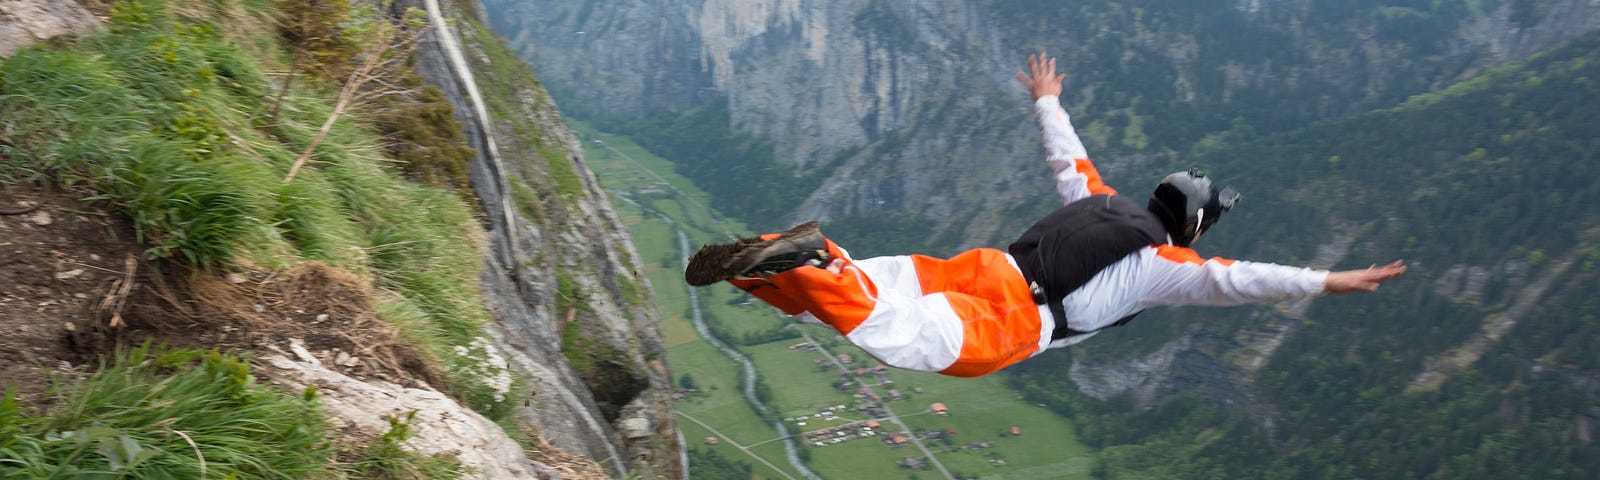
x=855, y=417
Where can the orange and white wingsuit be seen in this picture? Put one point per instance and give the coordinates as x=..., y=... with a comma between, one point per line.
x=975, y=313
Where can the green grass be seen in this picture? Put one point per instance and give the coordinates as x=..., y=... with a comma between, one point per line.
x=625, y=174
x=167, y=414
x=720, y=404
x=526, y=199
x=633, y=291
x=174, y=413
x=803, y=388
x=168, y=116
x=720, y=399
x=563, y=172
x=773, y=451
x=981, y=409
x=695, y=435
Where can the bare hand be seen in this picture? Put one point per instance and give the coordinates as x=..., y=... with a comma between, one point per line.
x=1043, y=80
x=1362, y=280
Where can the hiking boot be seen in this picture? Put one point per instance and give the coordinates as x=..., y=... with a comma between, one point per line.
x=754, y=257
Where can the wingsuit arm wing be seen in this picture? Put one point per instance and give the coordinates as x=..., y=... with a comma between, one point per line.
x=1075, y=176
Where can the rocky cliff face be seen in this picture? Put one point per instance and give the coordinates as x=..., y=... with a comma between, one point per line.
x=573, y=314
x=927, y=83
x=919, y=98
x=25, y=22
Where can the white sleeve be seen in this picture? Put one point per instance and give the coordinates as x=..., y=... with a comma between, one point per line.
x=1178, y=276
x=1166, y=275
x=1076, y=178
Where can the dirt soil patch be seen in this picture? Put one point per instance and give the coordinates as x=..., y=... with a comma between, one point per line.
x=74, y=286
x=59, y=259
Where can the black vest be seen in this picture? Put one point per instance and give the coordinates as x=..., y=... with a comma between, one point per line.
x=1062, y=251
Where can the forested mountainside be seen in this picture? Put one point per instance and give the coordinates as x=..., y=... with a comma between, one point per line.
x=308, y=239
x=1455, y=135
x=873, y=112
x=1479, y=363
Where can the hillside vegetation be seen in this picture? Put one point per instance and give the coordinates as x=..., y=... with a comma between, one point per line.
x=906, y=113
x=187, y=117
x=1478, y=364
x=1359, y=132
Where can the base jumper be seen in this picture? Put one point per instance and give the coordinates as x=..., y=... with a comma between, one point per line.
x=1094, y=263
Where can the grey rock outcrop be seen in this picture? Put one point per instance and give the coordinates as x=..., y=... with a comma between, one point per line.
x=561, y=277
x=442, y=425
x=25, y=22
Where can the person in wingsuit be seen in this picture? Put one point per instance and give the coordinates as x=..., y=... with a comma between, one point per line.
x=1094, y=263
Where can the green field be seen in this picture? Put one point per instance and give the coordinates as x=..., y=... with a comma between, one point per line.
x=655, y=203
x=796, y=381
x=719, y=405
x=695, y=435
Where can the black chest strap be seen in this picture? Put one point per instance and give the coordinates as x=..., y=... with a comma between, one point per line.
x=1059, y=312
x=1064, y=250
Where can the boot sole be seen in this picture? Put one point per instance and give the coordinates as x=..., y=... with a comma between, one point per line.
x=717, y=262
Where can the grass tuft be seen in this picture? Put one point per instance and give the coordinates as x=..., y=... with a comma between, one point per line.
x=168, y=115
x=157, y=413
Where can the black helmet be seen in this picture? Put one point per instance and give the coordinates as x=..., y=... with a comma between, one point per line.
x=1187, y=205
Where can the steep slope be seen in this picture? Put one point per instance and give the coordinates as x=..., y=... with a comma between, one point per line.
x=906, y=102
x=562, y=272
x=505, y=340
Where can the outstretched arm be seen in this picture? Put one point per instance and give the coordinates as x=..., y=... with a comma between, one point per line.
x=1362, y=280
x=1179, y=276
x=1076, y=178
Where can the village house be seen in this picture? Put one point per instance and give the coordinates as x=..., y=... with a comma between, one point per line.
x=939, y=408
x=897, y=440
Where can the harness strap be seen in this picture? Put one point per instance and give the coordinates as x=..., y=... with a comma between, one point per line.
x=1059, y=312
x=1065, y=249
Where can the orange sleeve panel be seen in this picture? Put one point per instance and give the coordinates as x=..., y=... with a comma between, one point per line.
x=1096, y=186
x=842, y=300
x=1186, y=255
